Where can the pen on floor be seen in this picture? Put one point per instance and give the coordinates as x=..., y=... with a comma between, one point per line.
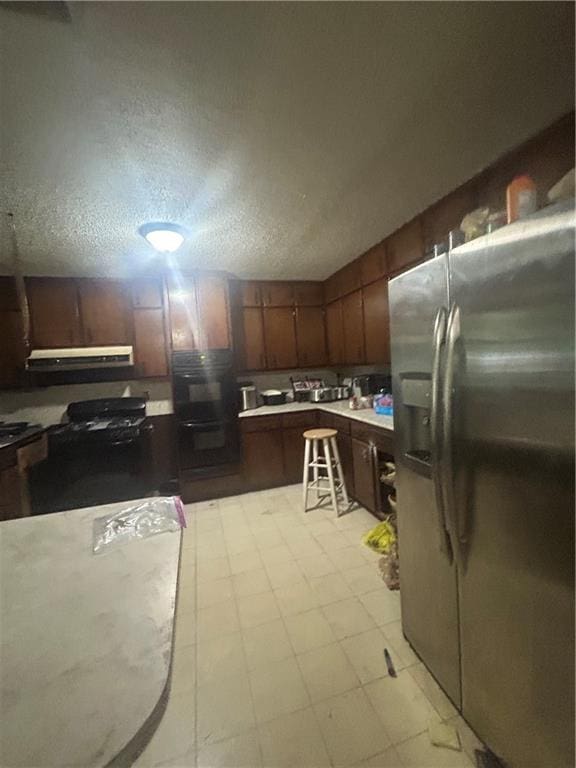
x=389, y=664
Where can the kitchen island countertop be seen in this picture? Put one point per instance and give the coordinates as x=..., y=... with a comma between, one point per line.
x=85, y=640
x=340, y=408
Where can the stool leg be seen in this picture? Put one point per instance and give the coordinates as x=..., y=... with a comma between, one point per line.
x=339, y=469
x=316, y=472
x=306, y=473
x=328, y=456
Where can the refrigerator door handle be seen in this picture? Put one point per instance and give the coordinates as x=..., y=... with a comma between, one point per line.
x=452, y=338
x=438, y=340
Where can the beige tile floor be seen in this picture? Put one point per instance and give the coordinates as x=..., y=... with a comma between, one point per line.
x=278, y=661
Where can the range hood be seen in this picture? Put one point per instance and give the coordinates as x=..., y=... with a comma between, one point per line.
x=80, y=358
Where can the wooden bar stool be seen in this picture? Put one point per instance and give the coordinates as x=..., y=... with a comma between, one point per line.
x=328, y=462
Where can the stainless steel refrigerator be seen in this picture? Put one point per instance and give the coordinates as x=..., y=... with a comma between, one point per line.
x=483, y=383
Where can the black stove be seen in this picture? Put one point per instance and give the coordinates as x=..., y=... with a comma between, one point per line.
x=113, y=421
x=100, y=455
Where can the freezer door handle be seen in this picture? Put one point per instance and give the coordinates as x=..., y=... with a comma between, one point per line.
x=438, y=340
x=452, y=339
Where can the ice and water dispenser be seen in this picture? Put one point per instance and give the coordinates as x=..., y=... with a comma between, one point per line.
x=416, y=401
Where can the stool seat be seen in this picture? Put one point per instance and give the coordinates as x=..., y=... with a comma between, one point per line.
x=320, y=434
x=332, y=482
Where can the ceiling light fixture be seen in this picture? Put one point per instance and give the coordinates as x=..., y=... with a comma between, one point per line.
x=163, y=236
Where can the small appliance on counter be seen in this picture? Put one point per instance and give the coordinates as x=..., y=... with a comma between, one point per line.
x=360, y=386
x=322, y=395
x=301, y=389
x=248, y=397
x=273, y=397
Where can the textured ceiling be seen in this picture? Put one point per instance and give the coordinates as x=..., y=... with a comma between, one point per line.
x=286, y=137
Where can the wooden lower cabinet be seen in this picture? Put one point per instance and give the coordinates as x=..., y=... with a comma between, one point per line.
x=364, y=474
x=273, y=452
x=347, y=461
x=262, y=459
x=293, y=444
x=11, y=496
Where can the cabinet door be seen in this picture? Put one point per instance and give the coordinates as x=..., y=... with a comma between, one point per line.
x=280, y=294
x=346, y=459
x=12, y=353
x=104, y=312
x=183, y=313
x=294, y=453
x=332, y=287
x=311, y=336
x=280, y=338
x=150, y=343
x=373, y=264
x=250, y=294
x=54, y=313
x=377, y=322
x=308, y=294
x=212, y=297
x=447, y=214
x=335, y=332
x=262, y=459
x=364, y=474
x=147, y=293
x=405, y=246
x=352, y=314
x=253, y=357
x=350, y=278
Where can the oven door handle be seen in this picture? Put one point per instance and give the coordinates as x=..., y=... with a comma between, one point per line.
x=201, y=424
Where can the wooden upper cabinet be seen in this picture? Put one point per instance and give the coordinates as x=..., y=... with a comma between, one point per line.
x=308, y=294
x=350, y=277
x=183, y=313
x=280, y=337
x=311, y=336
x=277, y=294
x=212, y=298
x=353, y=328
x=373, y=264
x=335, y=332
x=146, y=293
x=104, y=312
x=149, y=343
x=405, y=246
x=377, y=322
x=332, y=288
x=253, y=357
x=250, y=294
x=447, y=214
x=54, y=312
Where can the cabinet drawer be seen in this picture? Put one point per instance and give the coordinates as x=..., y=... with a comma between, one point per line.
x=305, y=419
x=382, y=439
x=362, y=432
x=259, y=423
x=341, y=423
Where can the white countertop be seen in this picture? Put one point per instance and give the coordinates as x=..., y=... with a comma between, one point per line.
x=341, y=408
x=85, y=641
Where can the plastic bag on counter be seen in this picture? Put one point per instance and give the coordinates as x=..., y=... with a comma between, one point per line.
x=137, y=520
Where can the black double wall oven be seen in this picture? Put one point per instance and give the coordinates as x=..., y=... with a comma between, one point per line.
x=206, y=410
